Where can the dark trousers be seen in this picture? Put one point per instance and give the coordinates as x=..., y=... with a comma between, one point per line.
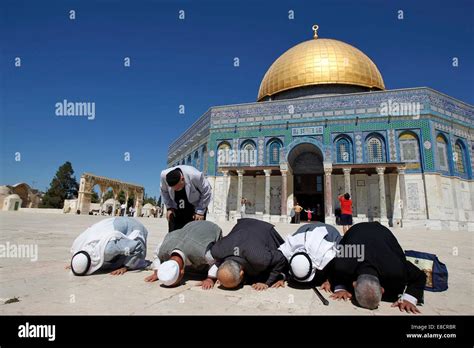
x=297, y=218
x=180, y=218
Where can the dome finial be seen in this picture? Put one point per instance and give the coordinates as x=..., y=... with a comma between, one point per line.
x=315, y=29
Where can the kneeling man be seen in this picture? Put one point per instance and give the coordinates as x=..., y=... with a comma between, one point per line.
x=189, y=246
x=310, y=251
x=117, y=244
x=380, y=272
x=250, y=250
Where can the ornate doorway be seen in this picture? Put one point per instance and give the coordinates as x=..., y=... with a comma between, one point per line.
x=306, y=162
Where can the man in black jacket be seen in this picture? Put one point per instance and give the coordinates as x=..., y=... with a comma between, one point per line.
x=382, y=272
x=250, y=250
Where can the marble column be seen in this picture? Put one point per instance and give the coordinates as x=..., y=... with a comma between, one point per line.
x=102, y=193
x=328, y=194
x=403, y=190
x=347, y=180
x=266, y=213
x=126, y=203
x=115, y=204
x=240, y=173
x=224, y=195
x=138, y=204
x=284, y=195
x=383, y=205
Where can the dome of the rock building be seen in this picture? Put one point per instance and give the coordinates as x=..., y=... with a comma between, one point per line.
x=320, y=66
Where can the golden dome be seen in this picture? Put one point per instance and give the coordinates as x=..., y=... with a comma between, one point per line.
x=320, y=62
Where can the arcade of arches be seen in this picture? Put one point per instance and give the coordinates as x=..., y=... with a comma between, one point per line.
x=315, y=184
x=87, y=183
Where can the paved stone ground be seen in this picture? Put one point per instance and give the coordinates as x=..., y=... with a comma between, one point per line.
x=45, y=287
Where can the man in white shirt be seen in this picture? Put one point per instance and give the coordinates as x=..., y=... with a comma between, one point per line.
x=310, y=250
x=117, y=244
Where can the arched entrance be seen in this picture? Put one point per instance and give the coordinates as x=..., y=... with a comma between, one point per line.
x=306, y=162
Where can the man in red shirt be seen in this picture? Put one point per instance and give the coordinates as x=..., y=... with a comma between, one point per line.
x=346, y=211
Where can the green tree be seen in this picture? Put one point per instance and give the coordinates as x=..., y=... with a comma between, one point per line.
x=109, y=194
x=151, y=200
x=63, y=186
x=95, y=197
x=121, y=197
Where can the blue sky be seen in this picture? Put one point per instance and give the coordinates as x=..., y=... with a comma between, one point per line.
x=187, y=62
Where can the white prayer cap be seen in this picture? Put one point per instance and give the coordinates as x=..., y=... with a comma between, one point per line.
x=168, y=272
x=180, y=253
x=301, y=267
x=80, y=263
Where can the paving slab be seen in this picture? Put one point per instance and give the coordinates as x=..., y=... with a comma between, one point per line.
x=45, y=287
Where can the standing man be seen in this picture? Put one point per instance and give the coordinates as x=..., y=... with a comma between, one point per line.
x=297, y=208
x=186, y=194
x=243, y=203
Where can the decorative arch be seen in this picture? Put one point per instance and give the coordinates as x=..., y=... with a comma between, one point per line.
x=460, y=157
x=343, y=149
x=204, y=159
x=375, y=148
x=248, y=154
x=196, y=159
x=305, y=140
x=442, y=151
x=409, y=145
x=88, y=181
x=223, y=153
x=274, y=148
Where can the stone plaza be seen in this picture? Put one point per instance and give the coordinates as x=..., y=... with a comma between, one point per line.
x=40, y=285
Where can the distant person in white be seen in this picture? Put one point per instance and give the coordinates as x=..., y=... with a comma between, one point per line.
x=243, y=207
x=117, y=244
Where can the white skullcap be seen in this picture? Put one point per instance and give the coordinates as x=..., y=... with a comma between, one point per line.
x=80, y=263
x=301, y=267
x=168, y=272
x=180, y=253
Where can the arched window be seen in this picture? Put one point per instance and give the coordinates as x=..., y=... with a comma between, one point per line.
x=442, y=148
x=409, y=150
x=204, y=160
x=459, y=159
x=274, y=149
x=248, y=154
x=196, y=160
x=223, y=153
x=375, y=150
x=343, y=150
